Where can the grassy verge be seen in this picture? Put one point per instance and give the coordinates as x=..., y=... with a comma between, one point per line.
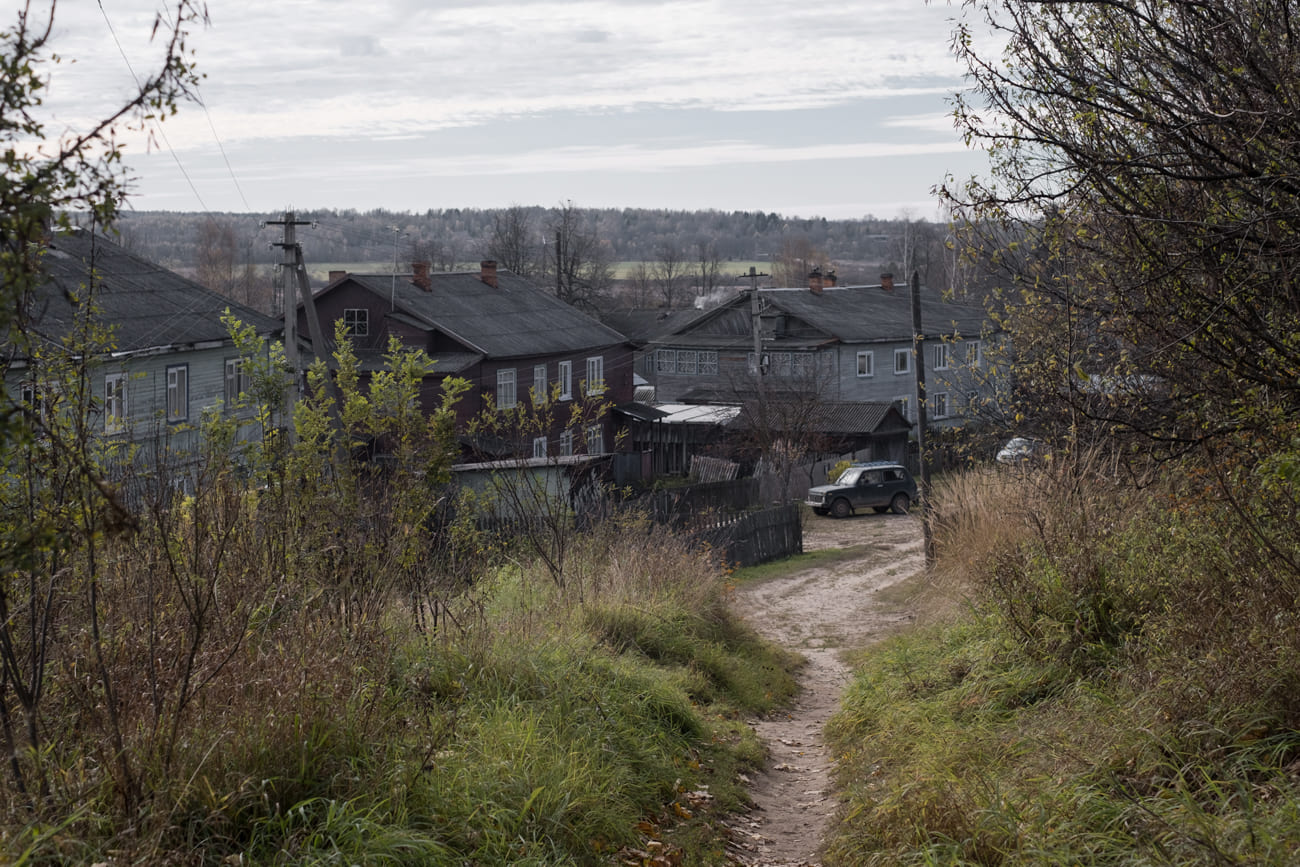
x=540, y=724
x=1116, y=689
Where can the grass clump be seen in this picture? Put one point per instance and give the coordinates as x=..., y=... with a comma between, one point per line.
x=1118, y=685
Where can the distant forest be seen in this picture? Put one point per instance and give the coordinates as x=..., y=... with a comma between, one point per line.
x=234, y=253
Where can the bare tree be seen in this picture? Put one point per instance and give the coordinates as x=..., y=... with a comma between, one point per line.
x=515, y=243
x=670, y=272
x=641, y=284
x=224, y=262
x=798, y=257
x=579, y=266
x=710, y=265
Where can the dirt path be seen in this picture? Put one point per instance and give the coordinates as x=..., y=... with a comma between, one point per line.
x=819, y=612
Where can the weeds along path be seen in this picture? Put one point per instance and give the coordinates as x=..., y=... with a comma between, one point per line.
x=819, y=612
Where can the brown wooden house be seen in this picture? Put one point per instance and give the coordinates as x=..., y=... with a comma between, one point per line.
x=510, y=338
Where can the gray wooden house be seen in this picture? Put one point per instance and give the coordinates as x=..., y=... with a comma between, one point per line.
x=831, y=345
x=167, y=357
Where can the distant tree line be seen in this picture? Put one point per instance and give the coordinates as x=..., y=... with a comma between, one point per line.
x=576, y=251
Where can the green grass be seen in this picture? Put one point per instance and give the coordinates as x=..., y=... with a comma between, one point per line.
x=1111, y=693
x=551, y=727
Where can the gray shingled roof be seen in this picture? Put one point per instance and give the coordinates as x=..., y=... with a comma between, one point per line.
x=145, y=305
x=515, y=319
x=850, y=315
x=868, y=314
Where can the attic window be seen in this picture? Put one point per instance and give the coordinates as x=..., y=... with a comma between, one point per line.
x=356, y=321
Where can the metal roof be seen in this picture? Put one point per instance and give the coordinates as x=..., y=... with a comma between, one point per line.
x=146, y=306
x=514, y=319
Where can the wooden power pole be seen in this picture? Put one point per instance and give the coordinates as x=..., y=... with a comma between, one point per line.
x=922, y=417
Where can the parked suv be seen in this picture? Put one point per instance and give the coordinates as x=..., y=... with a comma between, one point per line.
x=879, y=485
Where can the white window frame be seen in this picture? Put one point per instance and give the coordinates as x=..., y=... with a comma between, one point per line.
x=507, y=396
x=115, y=406
x=566, y=380
x=866, y=363
x=707, y=362
x=566, y=443
x=539, y=447
x=903, y=357
x=904, y=406
x=666, y=361
x=974, y=353
x=688, y=363
x=941, y=406
x=595, y=439
x=941, y=356
x=356, y=321
x=178, y=392
x=595, y=375
x=540, y=389
x=236, y=381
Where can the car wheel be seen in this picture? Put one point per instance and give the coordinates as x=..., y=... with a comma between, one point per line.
x=841, y=508
x=900, y=503
x=879, y=509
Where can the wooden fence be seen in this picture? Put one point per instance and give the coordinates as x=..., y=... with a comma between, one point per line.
x=755, y=537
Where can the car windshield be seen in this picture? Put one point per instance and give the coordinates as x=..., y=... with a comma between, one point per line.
x=849, y=477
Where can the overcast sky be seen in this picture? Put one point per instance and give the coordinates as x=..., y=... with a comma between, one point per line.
x=832, y=108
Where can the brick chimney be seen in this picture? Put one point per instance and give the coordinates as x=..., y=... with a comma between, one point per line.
x=887, y=282
x=335, y=276
x=420, y=276
x=488, y=272
x=815, y=281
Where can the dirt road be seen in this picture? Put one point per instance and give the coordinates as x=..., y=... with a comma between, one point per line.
x=819, y=612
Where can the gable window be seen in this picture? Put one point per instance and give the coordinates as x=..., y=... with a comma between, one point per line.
x=974, y=353
x=904, y=406
x=539, y=447
x=941, y=356
x=595, y=440
x=178, y=392
x=356, y=321
x=566, y=380
x=666, y=360
x=237, y=381
x=902, y=361
x=539, y=384
x=940, y=404
x=566, y=443
x=506, y=395
x=707, y=362
x=596, y=375
x=866, y=364
x=114, y=402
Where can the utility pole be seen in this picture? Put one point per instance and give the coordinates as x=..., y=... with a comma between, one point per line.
x=756, y=327
x=922, y=417
x=285, y=304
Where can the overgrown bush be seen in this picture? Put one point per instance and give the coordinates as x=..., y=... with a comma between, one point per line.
x=1121, y=688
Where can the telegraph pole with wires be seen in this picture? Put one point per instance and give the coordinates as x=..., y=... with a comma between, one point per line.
x=284, y=304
